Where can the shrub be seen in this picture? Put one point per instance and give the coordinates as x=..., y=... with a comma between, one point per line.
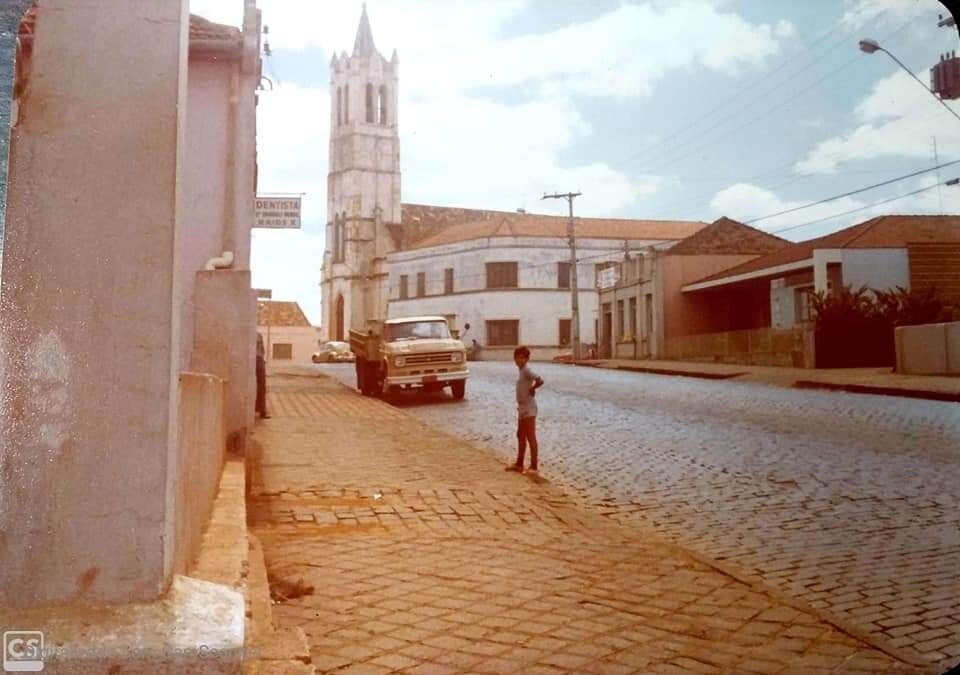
x=855, y=327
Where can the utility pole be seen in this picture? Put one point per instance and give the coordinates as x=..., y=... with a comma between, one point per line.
x=574, y=291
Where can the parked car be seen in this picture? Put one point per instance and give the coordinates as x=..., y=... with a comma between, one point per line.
x=334, y=352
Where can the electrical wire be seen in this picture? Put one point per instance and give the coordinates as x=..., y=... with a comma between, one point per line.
x=860, y=208
x=853, y=192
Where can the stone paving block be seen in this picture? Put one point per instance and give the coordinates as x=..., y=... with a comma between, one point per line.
x=566, y=587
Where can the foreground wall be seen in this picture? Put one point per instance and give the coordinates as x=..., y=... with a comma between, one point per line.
x=760, y=347
x=930, y=349
x=200, y=444
x=88, y=333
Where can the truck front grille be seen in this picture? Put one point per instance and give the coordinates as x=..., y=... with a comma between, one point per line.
x=429, y=359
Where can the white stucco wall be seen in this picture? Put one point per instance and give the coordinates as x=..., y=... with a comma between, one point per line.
x=538, y=304
x=877, y=268
x=304, y=340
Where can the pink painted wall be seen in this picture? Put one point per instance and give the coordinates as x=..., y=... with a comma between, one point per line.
x=89, y=335
x=687, y=314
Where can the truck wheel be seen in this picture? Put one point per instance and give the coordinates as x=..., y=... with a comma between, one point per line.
x=459, y=389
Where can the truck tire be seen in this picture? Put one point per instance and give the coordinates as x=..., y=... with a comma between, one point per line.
x=459, y=389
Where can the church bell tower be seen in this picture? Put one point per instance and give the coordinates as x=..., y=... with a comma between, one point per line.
x=363, y=185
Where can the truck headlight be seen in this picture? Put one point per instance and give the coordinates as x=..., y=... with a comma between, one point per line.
x=400, y=361
x=457, y=357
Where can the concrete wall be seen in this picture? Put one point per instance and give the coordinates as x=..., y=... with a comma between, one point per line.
x=762, y=347
x=224, y=343
x=89, y=344
x=930, y=349
x=201, y=440
x=303, y=340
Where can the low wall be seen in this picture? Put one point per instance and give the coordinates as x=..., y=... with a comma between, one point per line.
x=791, y=347
x=201, y=441
x=928, y=349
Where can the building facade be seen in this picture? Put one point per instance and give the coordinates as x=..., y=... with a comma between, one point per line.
x=363, y=185
x=509, y=277
x=288, y=336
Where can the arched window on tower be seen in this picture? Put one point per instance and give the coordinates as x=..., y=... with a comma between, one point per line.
x=383, y=104
x=346, y=104
x=339, y=106
x=335, y=238
x=371, y=108
x=343, y=237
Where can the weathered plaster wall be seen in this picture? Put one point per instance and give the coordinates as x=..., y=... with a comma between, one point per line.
x=90, y=337
x=200, y=445
x=224, y=342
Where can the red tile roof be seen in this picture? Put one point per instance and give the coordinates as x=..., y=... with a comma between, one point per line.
x=879, y=232
x=726, y=236
x=202, y=29
x=448, y=226
x=280, y=313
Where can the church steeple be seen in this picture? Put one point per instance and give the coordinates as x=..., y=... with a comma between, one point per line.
x=363, y=44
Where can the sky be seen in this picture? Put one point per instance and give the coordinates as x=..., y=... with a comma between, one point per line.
x=653, y=109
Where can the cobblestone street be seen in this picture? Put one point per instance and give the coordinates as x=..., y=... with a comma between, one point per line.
x=405, y=550
x=846, y=502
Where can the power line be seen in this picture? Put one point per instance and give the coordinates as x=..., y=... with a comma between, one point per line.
x=853, y=192
x=749, y=123
x=862, y=208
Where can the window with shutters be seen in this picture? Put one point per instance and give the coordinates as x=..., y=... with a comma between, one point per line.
x=282, y=351
x=503, y=333
x=448, y=281
x=563, y=275
x=404, y=290
x=502, y=275
x=421, y=284
x=564, y=332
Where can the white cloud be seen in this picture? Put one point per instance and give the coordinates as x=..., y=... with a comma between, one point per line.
x=456, y=45
x=745, y=201
x=288, y=262
x=862, y=12
x=898, y=119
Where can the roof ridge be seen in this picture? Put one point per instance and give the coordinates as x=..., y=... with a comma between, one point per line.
x=873, y=222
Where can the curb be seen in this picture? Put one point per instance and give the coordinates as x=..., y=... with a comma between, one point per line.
x=900, y=392
x=661, y=371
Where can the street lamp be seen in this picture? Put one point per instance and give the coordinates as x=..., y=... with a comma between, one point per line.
x=868, y=46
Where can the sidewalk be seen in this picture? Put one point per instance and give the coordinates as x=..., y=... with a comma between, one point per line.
x=856, y=380
x=397, y=548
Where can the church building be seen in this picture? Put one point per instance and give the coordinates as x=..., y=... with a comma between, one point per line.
x=505, y=273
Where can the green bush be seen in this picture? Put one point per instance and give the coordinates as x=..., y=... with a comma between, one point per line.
x=855, y=327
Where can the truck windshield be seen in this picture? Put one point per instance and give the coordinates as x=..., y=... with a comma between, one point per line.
x=417, y=330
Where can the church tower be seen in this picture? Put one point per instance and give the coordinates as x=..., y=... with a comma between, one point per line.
x=363, y=185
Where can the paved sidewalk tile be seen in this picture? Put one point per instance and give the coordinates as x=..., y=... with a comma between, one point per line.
x=397, y=548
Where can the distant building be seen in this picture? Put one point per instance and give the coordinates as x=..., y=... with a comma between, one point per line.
x=645, y=308
x=287, y=334
x=750, y=311
x=508, y=276
x=502, y=272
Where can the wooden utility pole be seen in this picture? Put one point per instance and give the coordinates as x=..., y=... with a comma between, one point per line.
x=574, y=291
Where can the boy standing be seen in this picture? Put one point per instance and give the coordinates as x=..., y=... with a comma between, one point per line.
x=527, y=384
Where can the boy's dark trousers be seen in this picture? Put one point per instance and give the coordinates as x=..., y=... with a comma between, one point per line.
x=261, y=406
x=527, y=433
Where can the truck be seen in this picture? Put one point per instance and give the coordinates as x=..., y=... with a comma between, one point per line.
x=403, y=353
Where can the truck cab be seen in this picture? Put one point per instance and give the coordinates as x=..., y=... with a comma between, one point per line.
x=403, y=353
